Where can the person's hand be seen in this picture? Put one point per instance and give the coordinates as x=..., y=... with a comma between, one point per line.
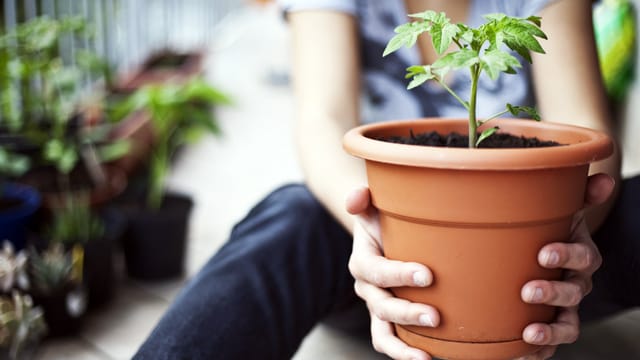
x=580, y=258
x=374, y=273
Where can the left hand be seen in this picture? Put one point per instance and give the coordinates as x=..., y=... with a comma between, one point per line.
x=580, y=258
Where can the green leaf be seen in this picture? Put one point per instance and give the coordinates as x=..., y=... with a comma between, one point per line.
x=485, y=134
x=496, y=61
x=420, y=75
x=114, y=150
x=13, y=164
x=536, y=20
x=419, y=80
x=406, y=35
x=531, y=111
x=464, y=58
x=442, y=35
x=429, y=15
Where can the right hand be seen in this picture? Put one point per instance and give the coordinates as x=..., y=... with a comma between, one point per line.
x=374, y=274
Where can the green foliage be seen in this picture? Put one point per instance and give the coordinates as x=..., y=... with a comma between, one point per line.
x=75, y=223
x=40, y=92
x=13, y=165
x=51, y=270
x=21, y=324
x=481, y=49
x=180, y=114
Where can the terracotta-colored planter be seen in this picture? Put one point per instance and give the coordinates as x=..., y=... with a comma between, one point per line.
x=477, y=218
x=162, y=67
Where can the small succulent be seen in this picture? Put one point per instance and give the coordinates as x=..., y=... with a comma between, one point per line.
x=51, y=270
x=12, y=268
x=21, y=324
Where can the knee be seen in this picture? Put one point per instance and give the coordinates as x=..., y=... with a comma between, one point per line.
x=294, y=202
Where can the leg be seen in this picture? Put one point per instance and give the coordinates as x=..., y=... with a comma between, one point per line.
x=283, y=270
x=616, y=283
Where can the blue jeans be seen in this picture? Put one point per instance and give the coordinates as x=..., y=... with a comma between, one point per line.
x=284, y=269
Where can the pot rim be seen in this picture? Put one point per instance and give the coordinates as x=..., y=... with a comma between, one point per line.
x=586, y=146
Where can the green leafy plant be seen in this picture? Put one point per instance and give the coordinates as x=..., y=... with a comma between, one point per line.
x=479, y=50
x=41, y=91
x=52, y=269
x=75, y=223
x=21, y=324
x=180, y=113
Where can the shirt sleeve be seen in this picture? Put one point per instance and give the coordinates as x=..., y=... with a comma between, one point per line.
x=347, y=6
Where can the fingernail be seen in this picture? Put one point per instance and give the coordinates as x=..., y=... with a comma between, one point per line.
x=534, y=295
x=426, y=320
x=552, y=258
x=420, y=278
x=538, y=337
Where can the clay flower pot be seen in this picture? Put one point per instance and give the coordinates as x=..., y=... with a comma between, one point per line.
x=477, y=218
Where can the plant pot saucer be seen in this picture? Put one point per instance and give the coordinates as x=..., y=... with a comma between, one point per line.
x=456, y=350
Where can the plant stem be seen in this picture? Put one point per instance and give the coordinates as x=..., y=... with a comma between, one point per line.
x=493, y=116
x=464, y=103
x=473, y=125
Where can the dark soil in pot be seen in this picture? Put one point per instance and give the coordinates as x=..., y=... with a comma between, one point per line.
x=155, y=241
x=497, y=140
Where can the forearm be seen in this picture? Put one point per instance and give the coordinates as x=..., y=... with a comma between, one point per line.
x=568, y=83
x=330, y=173
x=326, y=76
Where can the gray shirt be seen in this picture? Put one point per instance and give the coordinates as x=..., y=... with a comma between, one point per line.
x=385, y=94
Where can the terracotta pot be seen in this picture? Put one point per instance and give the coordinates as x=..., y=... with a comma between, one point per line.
x=477, y=218
x=162, y=67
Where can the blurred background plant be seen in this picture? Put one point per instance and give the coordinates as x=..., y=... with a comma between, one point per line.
x=22, y=326
x=13, y=269
x=180, y=114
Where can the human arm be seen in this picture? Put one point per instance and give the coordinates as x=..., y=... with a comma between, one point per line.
x=569, y=89
x=326, y=85
x=326, y=81
x=568, y=83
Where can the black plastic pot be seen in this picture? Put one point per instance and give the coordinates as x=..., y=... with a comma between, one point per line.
x=155, y=241
x=63, y=309
x=99, y=259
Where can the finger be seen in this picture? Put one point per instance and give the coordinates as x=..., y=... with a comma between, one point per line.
x=386, y=307
x=358, y=200
x=367, y=263
x=557, y=293
x=384, y=341
x=580, y=256
x=599, y=188
x=565, y=330
x=545, y=353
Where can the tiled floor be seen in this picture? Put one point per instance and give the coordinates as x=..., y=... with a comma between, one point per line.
x=226, y=176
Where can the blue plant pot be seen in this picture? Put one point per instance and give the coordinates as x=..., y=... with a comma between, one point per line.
x=14, y=217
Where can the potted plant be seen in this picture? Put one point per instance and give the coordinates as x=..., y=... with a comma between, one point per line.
x=154, y=245
x=17, y=202
x=476, y=217
x=163, y=66
x=56, y=285
x=93, y=236
x=22, y=326
x=43, y=118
